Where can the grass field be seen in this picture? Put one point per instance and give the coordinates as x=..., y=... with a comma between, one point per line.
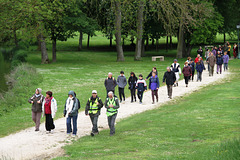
x=193, y=127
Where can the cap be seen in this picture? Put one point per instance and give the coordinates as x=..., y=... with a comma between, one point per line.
x=94, y=92
x=175, y=60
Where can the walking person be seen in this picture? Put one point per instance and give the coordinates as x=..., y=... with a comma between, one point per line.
x=199, y=68
x=187, y=72
x=154, y=69
x=93, y=109
x=200, y=51
x=112, y=105
x=212, y=61
x=36, y=100
x=49, y=108
x=132, y=80
x=110, y=83
x=192, y=65
x=169, y=77
x=154, y=85
x=71, y=113
x=229, y=49
x=175, y=67
x=235, y=51
x=141, y=86
x=122, y=82
x=219, y=63
x=225, y=61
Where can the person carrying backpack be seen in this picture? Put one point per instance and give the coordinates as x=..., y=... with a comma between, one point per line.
x=93, y=109
x=110, y=83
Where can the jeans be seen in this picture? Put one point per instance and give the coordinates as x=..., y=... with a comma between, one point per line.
x=133, y=94
x=140, y=96
x=186, y=79
x=69, y=125
x=94, y=119
x=121, y=93
x=219, y=67
x=199, y=76
x=111, y=123
x=225, y=66
x=211, y=70
x=169, y=89
x=154, y=93
x=49, y=122
x=36, y=116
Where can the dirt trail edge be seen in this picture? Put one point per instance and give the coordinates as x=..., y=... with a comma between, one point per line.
x=28, y=144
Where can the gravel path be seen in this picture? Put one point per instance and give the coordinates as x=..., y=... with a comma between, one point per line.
x=28, y=144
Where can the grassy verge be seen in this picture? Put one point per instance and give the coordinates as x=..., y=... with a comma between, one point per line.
x=186, y=129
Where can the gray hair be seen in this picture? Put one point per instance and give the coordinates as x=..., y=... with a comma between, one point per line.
x=110, y=73
x=168, y=68
x=111, y=93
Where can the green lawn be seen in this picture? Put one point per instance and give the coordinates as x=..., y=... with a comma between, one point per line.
x=193, y=127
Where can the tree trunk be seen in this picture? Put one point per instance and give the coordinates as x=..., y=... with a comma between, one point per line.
x=152, y=41
x=80, y=41
x=224, y=37
x=143, y=48
x=189, y=50
x=54, y=50
x=15, y=38
x=180, y=48
x=43, y=48
x=88, y=41
x=39, y=42
x=167, y=43
x=157, y=44
x=171, y=45
x=111, y=38
x=147, y=43
x=138, y=49
x=118, y=21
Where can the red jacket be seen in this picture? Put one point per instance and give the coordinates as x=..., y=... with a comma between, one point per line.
x=187, y=71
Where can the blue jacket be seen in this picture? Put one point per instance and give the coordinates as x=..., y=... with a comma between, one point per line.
x=192, y=65
x=154, y=83
x=200, y=67
x=219, y=61
x=141, y=85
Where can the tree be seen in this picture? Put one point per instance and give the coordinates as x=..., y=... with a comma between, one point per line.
x=118, y=20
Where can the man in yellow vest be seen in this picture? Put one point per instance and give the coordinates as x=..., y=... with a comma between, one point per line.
x=112, y=105
x=93, y=109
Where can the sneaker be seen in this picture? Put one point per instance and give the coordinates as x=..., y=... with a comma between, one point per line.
x=36, y=130
x=140, y=102
x=152, y=102
x=131, y=101
x=120, y=101
x=170, y=97
x=186, y=85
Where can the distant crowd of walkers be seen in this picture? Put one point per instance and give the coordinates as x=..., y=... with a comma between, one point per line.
x=47, y=106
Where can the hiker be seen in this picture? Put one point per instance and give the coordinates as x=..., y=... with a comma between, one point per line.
x=141, y=86
x=187, y=72
x=225, y=61
x=192, y=66
x=229, y=49
x=207, y=53
x=112, y=105
x=36, y=101
x=154, y=85
x=212, y=61
x=154, y=69
x=110, y=83
x=170, y=78
x=200, y=51
x=132, y=80
x=197, y=58
x=235, y=51
x=219, y=63
x=199, y=67
x=49, y=108
x=71, y=113
x=93, y=109
x=122, y=82
x=175, y=67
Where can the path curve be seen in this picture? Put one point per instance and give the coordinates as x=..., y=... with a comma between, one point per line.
x=28, y=144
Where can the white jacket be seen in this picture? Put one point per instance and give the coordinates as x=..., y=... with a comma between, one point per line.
x=53, y=107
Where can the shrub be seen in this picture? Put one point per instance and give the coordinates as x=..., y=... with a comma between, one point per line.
x=22, y=80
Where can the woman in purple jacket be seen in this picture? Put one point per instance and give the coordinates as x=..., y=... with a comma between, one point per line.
x=187, y=72
x=154, y=85
x=225, y=61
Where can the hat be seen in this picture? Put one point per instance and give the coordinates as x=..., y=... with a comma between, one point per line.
x=175, y=60
x=94, y=92
x=121, y=72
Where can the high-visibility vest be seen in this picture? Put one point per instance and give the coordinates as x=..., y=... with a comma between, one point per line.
x=111, y=111
x=93, y=106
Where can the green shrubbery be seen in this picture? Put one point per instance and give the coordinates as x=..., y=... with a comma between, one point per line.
x=22, y=80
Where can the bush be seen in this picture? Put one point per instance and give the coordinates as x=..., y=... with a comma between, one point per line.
x=22, y=80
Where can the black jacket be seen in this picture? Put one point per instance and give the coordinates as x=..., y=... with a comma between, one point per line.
x=132, y=81
x=169, y=77
x=110, y=84
x=99, y=106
